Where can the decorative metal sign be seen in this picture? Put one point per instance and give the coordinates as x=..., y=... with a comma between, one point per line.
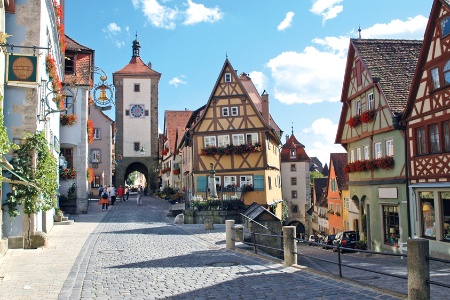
x=21, y=68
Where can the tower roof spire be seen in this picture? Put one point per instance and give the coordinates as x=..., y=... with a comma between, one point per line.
x=136, y=47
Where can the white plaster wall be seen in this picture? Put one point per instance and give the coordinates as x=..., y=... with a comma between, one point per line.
x=136, y=129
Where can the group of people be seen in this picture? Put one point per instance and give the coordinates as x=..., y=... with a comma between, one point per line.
x=108, y=195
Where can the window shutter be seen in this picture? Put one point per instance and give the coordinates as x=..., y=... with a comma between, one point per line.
x=258, y=183
x=202, y=184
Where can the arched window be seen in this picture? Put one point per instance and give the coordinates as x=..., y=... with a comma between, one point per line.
x=445, y=26
x=447, y=72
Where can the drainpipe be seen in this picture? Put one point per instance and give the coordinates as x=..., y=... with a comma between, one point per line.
x=399, y=126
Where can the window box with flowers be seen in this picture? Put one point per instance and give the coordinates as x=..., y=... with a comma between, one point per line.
x=368, y=116
x=337, y=213
x=247, y=188
x=67, y=174
x=176, y=172
x=68, y=120
x=165, y=151
x=331, y=212
x=166, y=170
x=231, y=149
x=385, y=163
x=354, y=121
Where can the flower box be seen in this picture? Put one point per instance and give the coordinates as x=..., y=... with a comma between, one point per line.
x=67, y=174
x=354, y=121
x=68, y=120
x=368, y=116
x=386, y=162
x=231, y=149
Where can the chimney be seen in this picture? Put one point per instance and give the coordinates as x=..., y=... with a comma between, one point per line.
x=287, y=138
x=265, y=107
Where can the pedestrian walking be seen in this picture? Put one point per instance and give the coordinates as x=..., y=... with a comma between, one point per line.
x=127, y=192
x=100, y=190
x=112, y=194
x=120, y=192
x=145, y=191
x=140, y=191
x=104, y=201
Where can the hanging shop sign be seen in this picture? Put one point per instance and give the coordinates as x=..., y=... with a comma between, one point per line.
x=21, y=68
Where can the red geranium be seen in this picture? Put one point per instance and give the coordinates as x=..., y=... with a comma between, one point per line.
x=354, y=121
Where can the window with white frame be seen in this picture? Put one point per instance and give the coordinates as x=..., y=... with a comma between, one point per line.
x=358, y=107
x=218, y=182
x=352, y=155
x=268, y=140
x=366, y=152
x=229, y=181
x=333, y=184
x=97, y=133
x=292, y=153
x=435, y=84
x=245, y=180
x=252, y=138
x=225, y=111
x=227, y=77
x=234, y=111
x=346, y=203
x=331, y=208
x=210, y=141
x=95, y=156
x=377, y=150
x=358, y=153
x=338, y=208
x=370, y=101
x=238, y=139
x=223, y=140
x=390, y=147
x=68, y=104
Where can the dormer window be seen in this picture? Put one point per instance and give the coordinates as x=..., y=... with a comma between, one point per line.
x=227, y=77
x=292, y=153
x=445, y=26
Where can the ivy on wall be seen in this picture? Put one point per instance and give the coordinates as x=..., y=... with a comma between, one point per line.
x=33, y=162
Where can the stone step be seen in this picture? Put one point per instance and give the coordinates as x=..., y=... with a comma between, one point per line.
x=68, y=222
x=64, y=219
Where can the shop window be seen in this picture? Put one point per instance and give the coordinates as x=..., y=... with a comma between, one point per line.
x=391, y=225
x=445, y=198
x=428, y=214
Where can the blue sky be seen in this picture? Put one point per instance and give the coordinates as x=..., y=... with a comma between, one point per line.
x=296, y=50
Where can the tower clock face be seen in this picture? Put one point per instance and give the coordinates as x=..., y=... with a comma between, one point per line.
x=137, y=110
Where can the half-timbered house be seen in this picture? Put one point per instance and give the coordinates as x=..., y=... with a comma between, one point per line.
x=427, y=119
x=376, y=85
x=235, y=134
x=336, y=192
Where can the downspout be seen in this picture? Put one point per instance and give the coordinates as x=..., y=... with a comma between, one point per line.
x=397, y=125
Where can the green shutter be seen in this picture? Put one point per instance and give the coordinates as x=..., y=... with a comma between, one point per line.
x=258, y=183
x=202, y=183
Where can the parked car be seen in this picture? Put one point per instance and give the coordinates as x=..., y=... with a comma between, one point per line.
x=346, y=239
x=328, y=240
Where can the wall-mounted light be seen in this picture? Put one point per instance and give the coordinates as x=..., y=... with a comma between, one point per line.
x=142, y=151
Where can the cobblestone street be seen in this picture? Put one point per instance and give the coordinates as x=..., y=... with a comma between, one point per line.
x=136, y=252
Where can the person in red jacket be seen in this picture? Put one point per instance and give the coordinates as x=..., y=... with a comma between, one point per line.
x=120, y=192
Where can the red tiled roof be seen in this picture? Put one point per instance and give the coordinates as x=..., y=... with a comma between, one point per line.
x=300, y=152
x=137, y=66
x=339, y=160
x=175, y=120
x=72, y=45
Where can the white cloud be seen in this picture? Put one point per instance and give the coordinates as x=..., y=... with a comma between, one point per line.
x=177, y=80
x=112, y=32
x=259, y=80
x=316, y=74
x=324, y=132
x=328, y=9
x=197, y=13
x=412, y=28
x=286, y=22
x=308, y=77
x=158, y=15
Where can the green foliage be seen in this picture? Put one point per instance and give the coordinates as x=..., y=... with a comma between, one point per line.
x=168, y=191
x=285, y=211
x=72, y=192
x=313, y=175
x=41, y=193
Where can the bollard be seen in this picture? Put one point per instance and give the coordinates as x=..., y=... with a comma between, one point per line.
x=209, y=224
x=239, y=232
x=290, y=245
x=418, y=269
x=230, y=234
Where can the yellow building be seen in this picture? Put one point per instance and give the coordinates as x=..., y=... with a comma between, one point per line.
x=236, y=134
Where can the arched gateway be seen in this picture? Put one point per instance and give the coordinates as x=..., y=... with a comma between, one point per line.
x=136, y=146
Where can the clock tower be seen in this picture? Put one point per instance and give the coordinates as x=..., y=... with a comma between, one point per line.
x=136, y=145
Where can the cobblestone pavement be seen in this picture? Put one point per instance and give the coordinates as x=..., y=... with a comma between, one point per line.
x=136, y=252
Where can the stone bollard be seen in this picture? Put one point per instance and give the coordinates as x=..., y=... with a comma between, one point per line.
x=209, y=224
x=230, y=235
x=290, y=245
x=239, y=231
x=418, y=269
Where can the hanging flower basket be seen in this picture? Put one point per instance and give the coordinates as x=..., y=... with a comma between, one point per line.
x=59, y=25
x=90, y=131
x=90, y=174
x=368, y=116
x=50, y=66
x=67, y=174
x=68, y=120
x=354, y=121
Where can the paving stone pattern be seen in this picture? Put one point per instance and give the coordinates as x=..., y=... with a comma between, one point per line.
x=136, y=252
